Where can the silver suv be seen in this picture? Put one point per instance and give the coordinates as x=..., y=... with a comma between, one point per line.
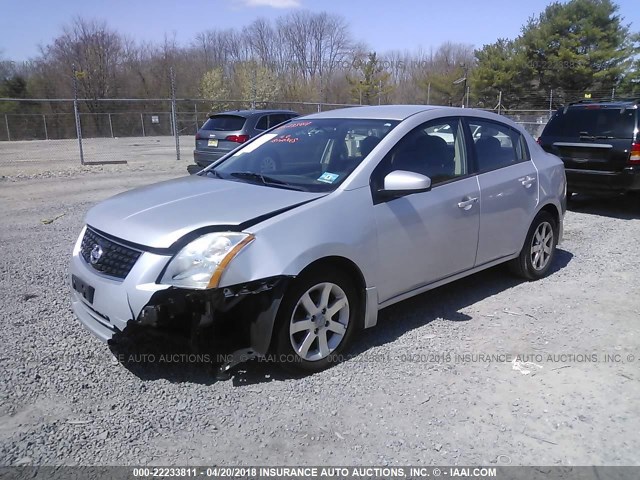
x=366, y=207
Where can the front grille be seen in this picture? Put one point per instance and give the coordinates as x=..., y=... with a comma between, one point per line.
x=115, y=260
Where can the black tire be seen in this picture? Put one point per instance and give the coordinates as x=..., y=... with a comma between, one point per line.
x=523, y=265
x=193, y=169
x=290, y=308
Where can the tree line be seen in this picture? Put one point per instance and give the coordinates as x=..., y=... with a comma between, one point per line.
x=572, y=49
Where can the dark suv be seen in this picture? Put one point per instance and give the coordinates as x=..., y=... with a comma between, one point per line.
x=223, y=132
x=598, y=143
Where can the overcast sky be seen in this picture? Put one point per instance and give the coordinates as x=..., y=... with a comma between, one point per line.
x=383, y=25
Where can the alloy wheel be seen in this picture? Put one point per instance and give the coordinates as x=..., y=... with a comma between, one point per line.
x=319, y=321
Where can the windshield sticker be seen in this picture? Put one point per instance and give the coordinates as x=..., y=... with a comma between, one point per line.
x=328, y=177
x=285, y=139
x=294, y=125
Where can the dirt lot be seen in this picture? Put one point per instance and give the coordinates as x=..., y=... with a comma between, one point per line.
x=436, y=382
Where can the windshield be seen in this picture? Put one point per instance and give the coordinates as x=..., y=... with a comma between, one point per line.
x=310, y=155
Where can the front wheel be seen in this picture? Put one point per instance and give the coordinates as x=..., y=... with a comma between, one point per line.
x=316, y=320
x=539, y=248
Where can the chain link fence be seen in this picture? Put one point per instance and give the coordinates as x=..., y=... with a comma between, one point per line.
x=115, y=130
x=119, y=130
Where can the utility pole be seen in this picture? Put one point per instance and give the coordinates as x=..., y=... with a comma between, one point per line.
x=176, y=134
x=76, y=112
x=465, y=91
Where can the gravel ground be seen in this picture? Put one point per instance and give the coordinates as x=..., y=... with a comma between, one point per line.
x=420, y=388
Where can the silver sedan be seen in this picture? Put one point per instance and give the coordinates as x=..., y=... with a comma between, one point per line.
x=367, y=207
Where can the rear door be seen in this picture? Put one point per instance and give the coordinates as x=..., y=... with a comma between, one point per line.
x=508, y=183
x=591, y=137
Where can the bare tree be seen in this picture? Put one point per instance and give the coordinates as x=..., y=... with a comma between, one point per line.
x=97, y=53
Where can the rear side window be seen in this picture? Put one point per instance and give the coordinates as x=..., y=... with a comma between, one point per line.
x=268, y=121
x=225, y=123
x=496, y=145
x=592, y=121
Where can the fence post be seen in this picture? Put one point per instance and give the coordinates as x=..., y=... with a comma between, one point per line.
x=173, y=112
x=142, y=123
x=500, y=102
x=613, y=93
x=429, y=94
x=44, y=121
x=6, y=122
x=550, y=101
x=77, y=113
x=110, y=126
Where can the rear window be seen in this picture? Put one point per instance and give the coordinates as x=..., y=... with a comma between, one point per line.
x=227, y=123
x=597, y=122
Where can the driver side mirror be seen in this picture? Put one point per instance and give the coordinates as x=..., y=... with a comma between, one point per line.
x=401, y=182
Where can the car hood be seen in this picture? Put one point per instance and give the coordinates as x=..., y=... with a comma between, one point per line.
x=159, y=215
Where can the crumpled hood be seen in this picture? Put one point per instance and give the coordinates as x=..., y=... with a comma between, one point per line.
x=158, y=215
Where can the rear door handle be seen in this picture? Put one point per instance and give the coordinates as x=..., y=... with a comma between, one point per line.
x=527, y=181
x=467, y=203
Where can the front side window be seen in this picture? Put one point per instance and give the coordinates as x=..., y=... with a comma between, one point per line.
x=435, y=149
x=496, y=145
x=312, y=155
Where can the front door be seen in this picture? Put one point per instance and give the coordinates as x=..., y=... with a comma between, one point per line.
x=425, y=237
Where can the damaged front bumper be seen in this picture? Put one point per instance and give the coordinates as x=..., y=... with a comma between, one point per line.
x=244, y=312
x=109, y=307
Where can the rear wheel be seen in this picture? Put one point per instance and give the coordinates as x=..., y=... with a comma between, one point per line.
x=539, y=248
x=316, y=320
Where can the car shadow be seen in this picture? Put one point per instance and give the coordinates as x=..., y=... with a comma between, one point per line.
x=624, y=207
x=152, y=358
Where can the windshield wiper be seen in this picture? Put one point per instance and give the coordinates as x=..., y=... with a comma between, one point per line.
x=265, y=180
x=214, y=173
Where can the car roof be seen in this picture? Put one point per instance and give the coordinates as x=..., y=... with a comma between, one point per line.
x=623, y=102
x=249, y=113
x=402, y=112
x=386, y=112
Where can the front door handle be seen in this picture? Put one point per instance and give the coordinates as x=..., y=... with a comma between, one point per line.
x=527, y=181
x=467, y=203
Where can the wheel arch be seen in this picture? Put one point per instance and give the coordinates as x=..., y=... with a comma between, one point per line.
x=352, y=270
x=553, y=210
